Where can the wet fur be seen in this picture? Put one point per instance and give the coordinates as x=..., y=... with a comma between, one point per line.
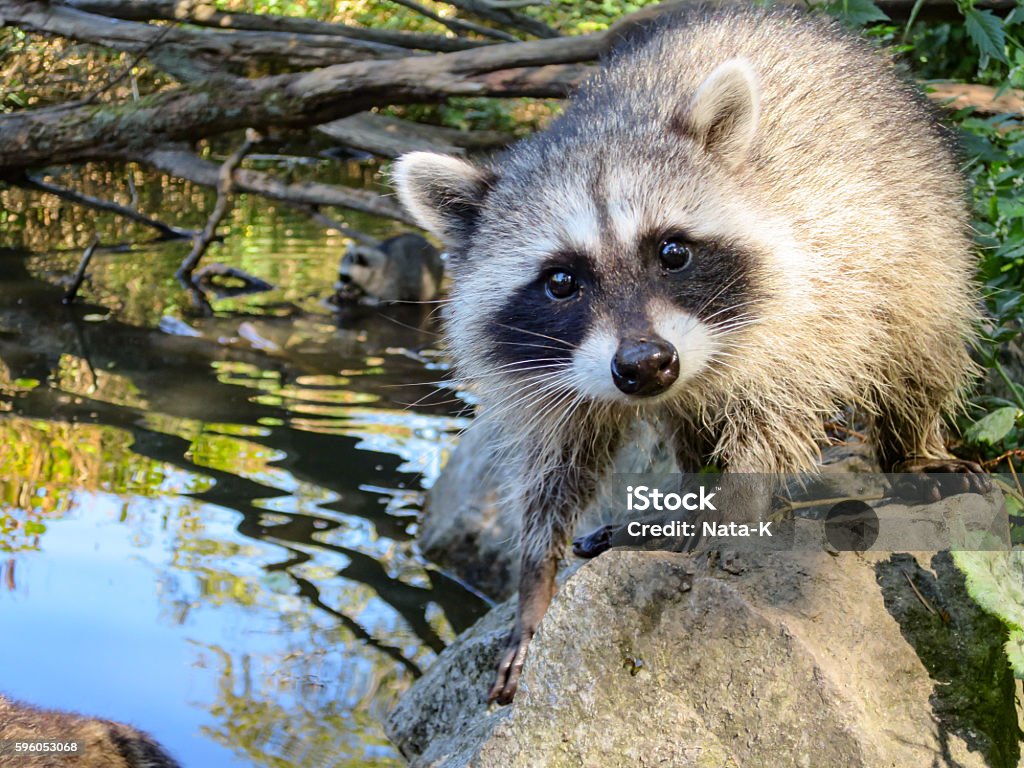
x=402, y=268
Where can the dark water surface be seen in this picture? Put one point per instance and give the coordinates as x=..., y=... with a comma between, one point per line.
x=209, y=536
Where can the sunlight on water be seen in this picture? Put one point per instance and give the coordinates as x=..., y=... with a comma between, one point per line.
x=207, y=532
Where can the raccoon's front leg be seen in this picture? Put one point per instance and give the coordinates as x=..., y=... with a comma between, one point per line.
x=911, y=443
x=693, y=446
x=550, y=509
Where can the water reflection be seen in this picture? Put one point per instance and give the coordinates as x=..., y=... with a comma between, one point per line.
x=208, y=537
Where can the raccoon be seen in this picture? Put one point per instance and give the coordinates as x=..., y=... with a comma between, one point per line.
x=402, y=268
x=745, y=221
x=101, y=743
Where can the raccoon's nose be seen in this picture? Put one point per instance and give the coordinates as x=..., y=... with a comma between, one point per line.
x=645, y=367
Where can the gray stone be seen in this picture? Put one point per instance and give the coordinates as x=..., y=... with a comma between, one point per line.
x=794, y=659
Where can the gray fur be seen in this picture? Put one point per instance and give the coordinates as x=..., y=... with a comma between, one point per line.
x=402, y=268
x=786, y=138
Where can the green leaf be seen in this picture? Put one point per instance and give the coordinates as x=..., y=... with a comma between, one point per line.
x=1016, y=16
x=995, y=581
x=986, y=30
x=994, y=426
x=856, y=12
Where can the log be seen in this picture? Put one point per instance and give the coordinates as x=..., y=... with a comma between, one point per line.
x=73, y=133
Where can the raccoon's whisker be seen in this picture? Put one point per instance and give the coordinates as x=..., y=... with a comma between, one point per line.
x=553, y=386
x=564, y=343
x=725, y=286
x=548, y=364
x=407, y=326
x=410, y=301
x=527, y=344
x=539, y=393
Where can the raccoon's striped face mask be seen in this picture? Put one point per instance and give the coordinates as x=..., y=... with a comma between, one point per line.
x=618, y=316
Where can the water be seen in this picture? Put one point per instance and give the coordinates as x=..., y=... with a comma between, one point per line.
x=209, y=536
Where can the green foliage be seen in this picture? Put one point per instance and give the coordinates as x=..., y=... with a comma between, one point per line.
x=856, y=12
x=993, y=428
x=995, y=580
x=986, y=32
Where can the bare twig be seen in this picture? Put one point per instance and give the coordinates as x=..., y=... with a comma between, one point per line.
x=167, y=231
x=456, y=25
x=127, y=71
x=924, y=600
x=79, y=277
x=511, y=19
x=1016, y=453
x=224, y=187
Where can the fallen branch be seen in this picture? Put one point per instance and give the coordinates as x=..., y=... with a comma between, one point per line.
x=206, y=16
x=186, y=165
x=167, y=231
x=79, y=277
x=79, y=133
x=506, y=18
x=391, y=136
x=224, y=187
x=983, y=98
x=192, y=53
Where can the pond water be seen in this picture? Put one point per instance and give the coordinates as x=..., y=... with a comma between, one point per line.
x=206, y=524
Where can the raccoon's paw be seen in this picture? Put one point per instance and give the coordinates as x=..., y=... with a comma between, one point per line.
x=936, y=479
x=594, y=543
x=510, y=667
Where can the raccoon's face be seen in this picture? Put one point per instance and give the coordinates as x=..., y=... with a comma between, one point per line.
x=615, y=272
x=367, y=270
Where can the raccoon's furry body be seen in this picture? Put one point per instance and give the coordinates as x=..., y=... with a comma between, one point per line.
x=103, y=743
x=402, y=268
x=744, y=222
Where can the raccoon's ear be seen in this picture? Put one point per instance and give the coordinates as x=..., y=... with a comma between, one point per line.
x=722, y=115
x=443, y=193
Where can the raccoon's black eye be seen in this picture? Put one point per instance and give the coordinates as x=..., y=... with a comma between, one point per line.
x=675, y=253
x=561, y=284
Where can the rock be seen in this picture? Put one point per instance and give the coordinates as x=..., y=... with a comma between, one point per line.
x=794, y=659
x=466, y=530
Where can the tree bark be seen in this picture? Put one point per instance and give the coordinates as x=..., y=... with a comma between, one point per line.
x=177, y=50
x=204, y=15
x=74, y=133
x=390, y=137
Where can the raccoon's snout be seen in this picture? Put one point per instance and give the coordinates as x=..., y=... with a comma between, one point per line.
x=645, y=367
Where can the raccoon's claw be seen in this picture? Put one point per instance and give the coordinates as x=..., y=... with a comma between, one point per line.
x=594, y=543
x=510, y=668
x=936, y=479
